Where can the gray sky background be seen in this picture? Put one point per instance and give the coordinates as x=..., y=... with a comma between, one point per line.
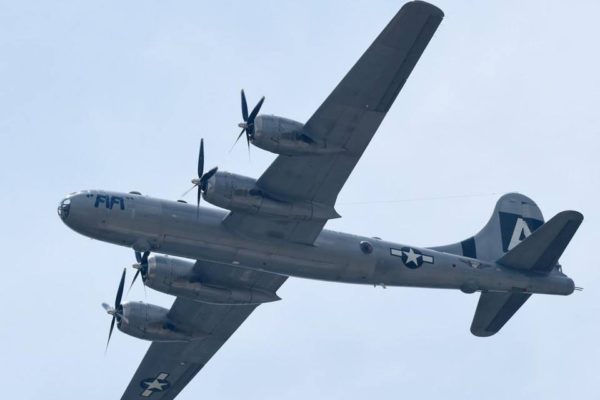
x=116, y=95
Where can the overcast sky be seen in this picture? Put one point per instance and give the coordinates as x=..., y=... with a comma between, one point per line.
x=116, y=95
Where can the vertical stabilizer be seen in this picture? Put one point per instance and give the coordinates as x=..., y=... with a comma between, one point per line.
x=515, y=217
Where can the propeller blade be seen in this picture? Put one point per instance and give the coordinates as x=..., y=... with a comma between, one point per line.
x=120, y=290
x=123, y=317
x=201, y=159
x=248, y=124
x=240, y=135
x=112, y=325
x=134, y=278
x=207, y=176
x=116, y=310
x=141, y=266
x=256, y=109
x=244, y=107
x=238, y=138
x=248, y=142
x=189, y=190
x=199, y=196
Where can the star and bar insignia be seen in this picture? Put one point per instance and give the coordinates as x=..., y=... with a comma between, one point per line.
x=412, y=258
x=158, y=384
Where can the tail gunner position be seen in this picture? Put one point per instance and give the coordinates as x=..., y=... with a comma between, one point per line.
x=271, y=228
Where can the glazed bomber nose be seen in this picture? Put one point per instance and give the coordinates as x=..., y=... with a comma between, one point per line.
x=63, y=208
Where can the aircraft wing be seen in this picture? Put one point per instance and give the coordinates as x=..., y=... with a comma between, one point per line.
x=346, y=120
x=168, y=367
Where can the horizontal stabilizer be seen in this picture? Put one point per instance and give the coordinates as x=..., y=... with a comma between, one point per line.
x=542, y=249
x=494, y=310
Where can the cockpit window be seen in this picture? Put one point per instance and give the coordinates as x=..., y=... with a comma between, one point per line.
x=63, y=208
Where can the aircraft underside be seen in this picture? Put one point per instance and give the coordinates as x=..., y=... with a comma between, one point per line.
x=222, y=264
x=179, y=229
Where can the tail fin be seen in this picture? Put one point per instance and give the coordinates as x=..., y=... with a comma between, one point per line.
x=512, y=238
x=539, y=252
x=515, y=218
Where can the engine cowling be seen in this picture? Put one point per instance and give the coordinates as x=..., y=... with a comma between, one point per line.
x=180, y=278
x=284, y=136
x=151, y=322
x=240, y=193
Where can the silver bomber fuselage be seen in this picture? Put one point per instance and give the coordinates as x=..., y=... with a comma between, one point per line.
x=180, y=229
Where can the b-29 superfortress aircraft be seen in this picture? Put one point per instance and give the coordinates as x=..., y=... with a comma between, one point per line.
x=273, y=227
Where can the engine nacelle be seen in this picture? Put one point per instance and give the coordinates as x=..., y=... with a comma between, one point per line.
x=150, y=322
x=180, y=278
x=285, y=136
x=240, y=193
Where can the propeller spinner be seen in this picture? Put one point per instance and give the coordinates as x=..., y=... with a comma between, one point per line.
x=141, y=266
x=248, y=124
x=117, y=310
x=202, y=180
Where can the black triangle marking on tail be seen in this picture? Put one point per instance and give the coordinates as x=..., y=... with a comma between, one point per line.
x=542, y=249
x=516, y=228
x=468, y=248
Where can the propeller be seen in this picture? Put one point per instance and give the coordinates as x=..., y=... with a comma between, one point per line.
x=117, y=310
x=248, y=124
x=141, y=266
x=201, y=181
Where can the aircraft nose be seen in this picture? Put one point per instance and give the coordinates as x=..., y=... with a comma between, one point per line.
x=76, y=211
x=70, y=206
x=64, y=208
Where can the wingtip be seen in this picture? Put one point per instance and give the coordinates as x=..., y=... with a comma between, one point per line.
x=428, y=7
x=571, y=215
x=482, y=333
